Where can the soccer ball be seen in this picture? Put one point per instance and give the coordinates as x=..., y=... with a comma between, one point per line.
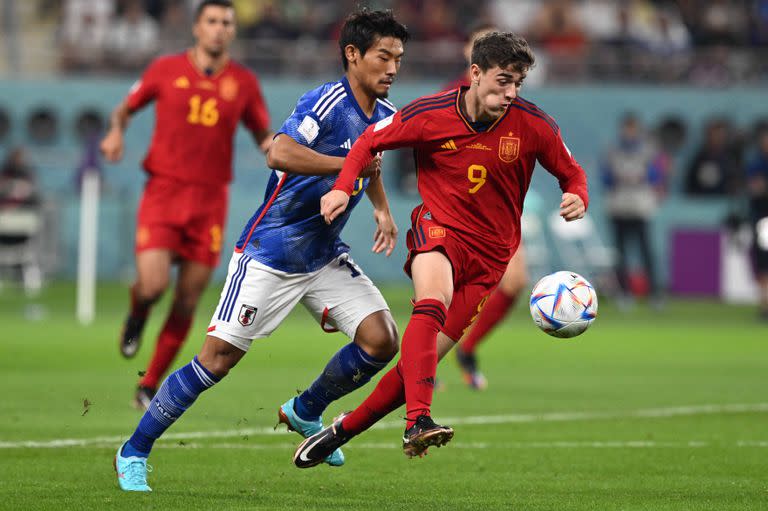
x=563, y=304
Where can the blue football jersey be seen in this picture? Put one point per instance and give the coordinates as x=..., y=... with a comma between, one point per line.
x=287, y=232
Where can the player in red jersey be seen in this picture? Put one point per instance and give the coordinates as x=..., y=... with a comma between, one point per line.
x=200, y=97
x=476, y=148
x=513, y=281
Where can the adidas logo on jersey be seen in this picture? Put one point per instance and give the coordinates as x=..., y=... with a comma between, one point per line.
x=347, y=144
x=450, y=145
x=181, y=82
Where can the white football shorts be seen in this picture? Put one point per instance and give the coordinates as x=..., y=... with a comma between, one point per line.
x=257, y=298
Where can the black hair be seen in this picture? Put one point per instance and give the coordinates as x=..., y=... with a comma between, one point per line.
x=362, y=28
x=502, y=49
x=218, y=3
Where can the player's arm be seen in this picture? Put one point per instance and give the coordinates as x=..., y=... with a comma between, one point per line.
x=142, y=92
x=385, y=236
x=256, y=116
x=558, y=160
x=389, y=133
x=112, y=145
x=264, y=139
x=288, y=155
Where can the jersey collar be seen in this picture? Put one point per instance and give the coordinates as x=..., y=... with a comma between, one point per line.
x=200, y=73
x=468, y=125
x=353, y=100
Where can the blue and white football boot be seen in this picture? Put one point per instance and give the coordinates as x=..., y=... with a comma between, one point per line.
x=286, y=415
x=131, y=472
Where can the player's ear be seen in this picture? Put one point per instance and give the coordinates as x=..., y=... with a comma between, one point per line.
x=474, y=74
x=351, y=53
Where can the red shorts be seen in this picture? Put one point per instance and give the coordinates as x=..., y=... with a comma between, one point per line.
x=473, y=276
x=185, y=218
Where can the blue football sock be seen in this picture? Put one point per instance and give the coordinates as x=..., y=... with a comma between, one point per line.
x=349, y=369
x=176, y=394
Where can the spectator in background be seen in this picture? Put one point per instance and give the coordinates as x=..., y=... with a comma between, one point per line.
x=18, y=187
x=174, y=31
x=715, y=170
x=133, y=37
x=632, y=183
x=757, y=175
x=670, y=135
x=558, y=29
x=21, y=205
x=84, y=33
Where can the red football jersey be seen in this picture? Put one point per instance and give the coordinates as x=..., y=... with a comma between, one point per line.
x=473, y=182
x=196, y=117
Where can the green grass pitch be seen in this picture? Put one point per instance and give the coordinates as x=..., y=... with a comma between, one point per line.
x=646, y=411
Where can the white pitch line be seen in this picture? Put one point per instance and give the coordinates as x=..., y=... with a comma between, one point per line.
x=646, y=413
x=562, y=444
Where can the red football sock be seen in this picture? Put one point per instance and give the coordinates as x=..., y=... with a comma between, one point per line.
x=169, y=343
x=388, y=395
x=139, y=309
x=493, y=312
x=418, y=359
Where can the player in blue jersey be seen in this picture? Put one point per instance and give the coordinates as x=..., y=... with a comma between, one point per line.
x=287, y=254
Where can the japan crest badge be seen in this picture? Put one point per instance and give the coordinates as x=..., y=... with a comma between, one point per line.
x=247, y=315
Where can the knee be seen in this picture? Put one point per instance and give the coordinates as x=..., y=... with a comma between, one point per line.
x=184, y=305
x=440, y=296
x=219, y=358
x=515, y=284
x=150, y=291
x=218, y=365
x=381, y=342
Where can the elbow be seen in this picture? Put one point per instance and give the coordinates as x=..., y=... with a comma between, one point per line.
x=275, y=160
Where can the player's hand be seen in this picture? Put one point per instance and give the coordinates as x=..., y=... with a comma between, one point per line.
x=374, y=168
x=332, y=204
x=386, y=232
x=112, y=146
x=572, y=207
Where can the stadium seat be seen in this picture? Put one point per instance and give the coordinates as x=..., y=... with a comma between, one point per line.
x=43, y=126
x=20, y=230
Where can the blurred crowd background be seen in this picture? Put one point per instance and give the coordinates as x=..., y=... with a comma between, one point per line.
x=663, y=102
x=711, y=43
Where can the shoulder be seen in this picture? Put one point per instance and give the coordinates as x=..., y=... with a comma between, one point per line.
x=429, y=105
x=321, y=100
x=243, y=73
x=314, y=98
x=170, y=61
x=537, y=116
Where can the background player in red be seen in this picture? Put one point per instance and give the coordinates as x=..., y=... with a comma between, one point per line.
x=476, y=149
x=515, y=277
x=201, y=95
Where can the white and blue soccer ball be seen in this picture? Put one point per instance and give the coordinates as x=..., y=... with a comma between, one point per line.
x=563, y=304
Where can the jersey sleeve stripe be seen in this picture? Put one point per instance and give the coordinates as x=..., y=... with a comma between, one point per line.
x=330, y=108
x=324, y=108
x=533, y=106
x=434, y=106
x=330, y=92
x=536, y=114
x=387, y=104
x=426, y=101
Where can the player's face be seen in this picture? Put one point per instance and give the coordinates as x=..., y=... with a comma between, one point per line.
x=377, y=69
x=215, y=29
x=497, y=88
